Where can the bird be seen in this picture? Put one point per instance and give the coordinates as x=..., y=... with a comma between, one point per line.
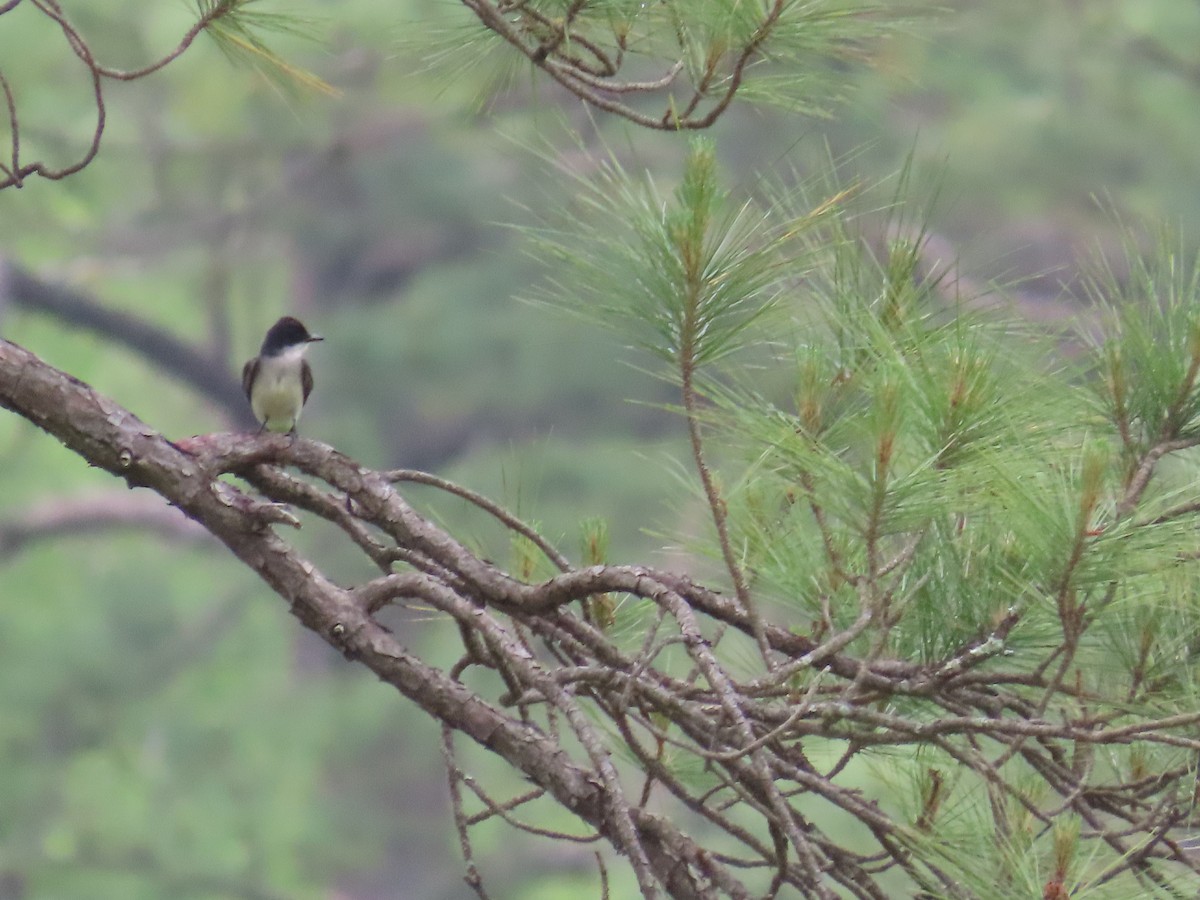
x=278, y=381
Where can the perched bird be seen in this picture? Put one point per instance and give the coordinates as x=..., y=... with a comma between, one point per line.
x=278, y=381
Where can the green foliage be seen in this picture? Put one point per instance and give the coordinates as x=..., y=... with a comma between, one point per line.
x=237, y=27
x=670, y=64
x=185, y=767
x=931, y=483
x=1150, y=350
x=683, y=279
x=148, y=733
x=936, y=485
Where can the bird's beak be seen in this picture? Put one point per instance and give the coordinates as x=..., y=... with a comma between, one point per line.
x=315, y=337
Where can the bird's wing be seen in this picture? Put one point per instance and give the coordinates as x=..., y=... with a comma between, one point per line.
x=248, y=372
x=306, y=380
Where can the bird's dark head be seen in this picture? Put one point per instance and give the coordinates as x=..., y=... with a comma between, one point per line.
x=287, y=332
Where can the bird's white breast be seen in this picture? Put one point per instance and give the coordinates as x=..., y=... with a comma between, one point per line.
x=278, y=395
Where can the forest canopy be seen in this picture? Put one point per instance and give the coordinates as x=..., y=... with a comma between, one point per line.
x=912, y=612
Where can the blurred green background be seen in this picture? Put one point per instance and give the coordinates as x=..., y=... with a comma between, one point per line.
x=166, y=729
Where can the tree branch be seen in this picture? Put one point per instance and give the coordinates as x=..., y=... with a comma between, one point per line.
x=168, y=353
x=95, y=513
x=569, y=703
